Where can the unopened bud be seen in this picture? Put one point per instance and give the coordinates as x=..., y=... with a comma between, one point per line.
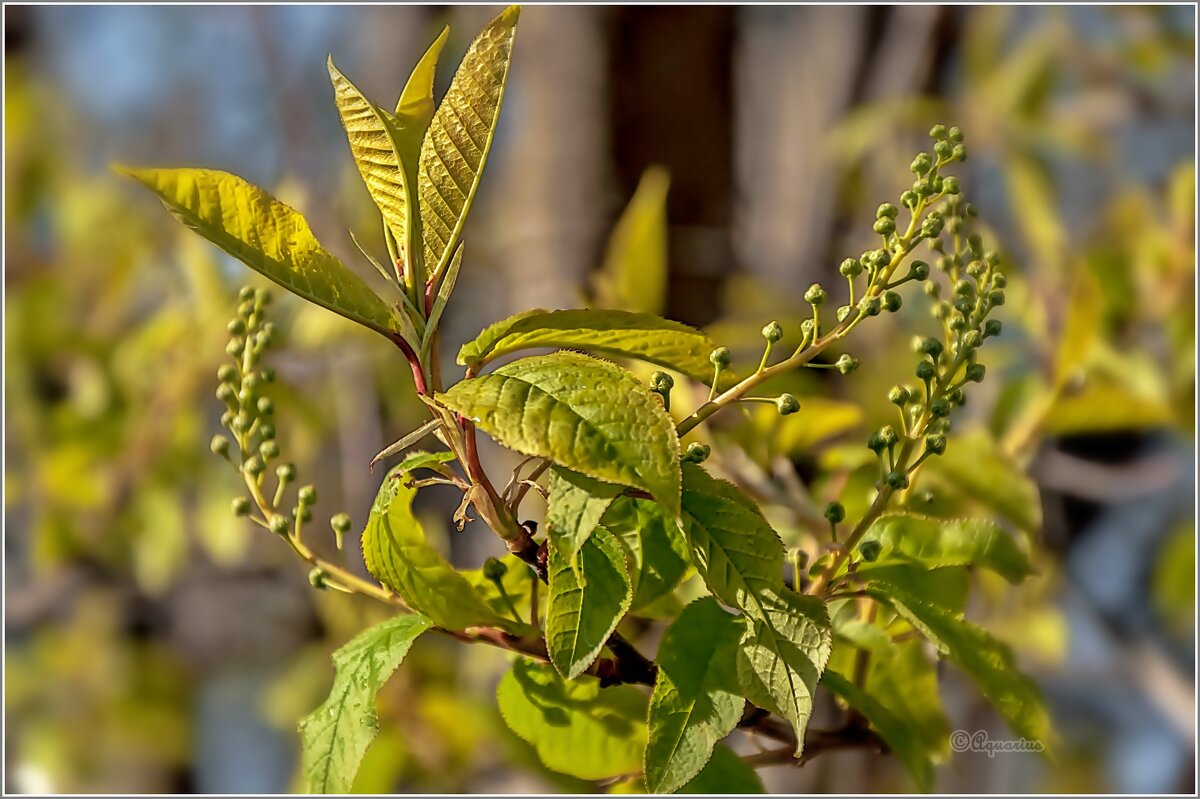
x=787, y=404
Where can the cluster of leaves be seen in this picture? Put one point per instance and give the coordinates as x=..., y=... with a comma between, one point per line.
x=631, y=512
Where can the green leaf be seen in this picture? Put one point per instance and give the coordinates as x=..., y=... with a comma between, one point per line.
x=905, y=681
x=864, y=635
x=269, y=237
x=425, y=460
x=734, y=548
x=576, y=727
x=985, y=660
x=561, y=407
x=517, y=582
x=405, y=441
x=396, y=552
x=949, y=542
x=893, y=730
x=947, y=586
x=726, y=773
x=634, y=274
x=574, y=508
x=976, y=467
x=783, y=654
x=335, y=736
x=459, y=138
x=695, y=701
x=616, y=334
x=657, y=549
x=586, y=602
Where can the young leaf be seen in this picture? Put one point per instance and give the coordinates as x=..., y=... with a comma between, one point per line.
x=695, y=701
x=616, y=334
x=725, y=774
x=987, y=661
x=950, y=542
x=396, y=552
x=335, y=736
x=783, y=654
x=576, y=727
x=893, y=730
x=456, y=146
x=945, y=586
x=586, y=602
x=269, y=237
x=634, y=275
x=405, y=441
x=561, y=407
x=575, y=507
x=736, y=552
x=906, y=683
x=656, y=546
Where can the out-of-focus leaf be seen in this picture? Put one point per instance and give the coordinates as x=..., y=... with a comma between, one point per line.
x=617, y=334
x=269, y=237
x=695, y=701
x=893, y=730
x=1174, y=581
x=560, y=407
x=634, y=274
x=396, y=552
x=1103, y=406
x=976, y=467
x=459, y=138
x=576, y=727
x=336, y=735
x=1081, y=328
x=587, y=600
x=906, y=683
x=1036, y=210
x=949, y=542
x=725, y=773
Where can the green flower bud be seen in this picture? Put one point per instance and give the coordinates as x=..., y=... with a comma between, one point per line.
x=245, y=309
x=719, y=357
x=932, y=228
x=954, y=134
x=253, y=466
x=806, y=328
x=269, y=450
x=933, y=289
x=787, y=404
x=922, y=187
x=254, y=321
x=240, y=423
x=992, y=258
x=899, y=395
x=959, y=153
x=662, y=382
x=870, y=306
x=887, y=434
x=268, y=375
x=851, y=267
x=226, y=374
x=286, y=472
x=963, y=305
x=972, y=340
x=316, y=578
x=302, y=514
x=950, y=185
x=957, y=397
x=999, y=281
x=941, y=310
x=954, y=226
x=773, y=332
x=869, y=550
x=262, y=296
x=279, y=524
x=236, y=327
x=937, y=132
x=251, y=381
x=932, y=347
x=921, y=164
x=884, y=227
x=897, y=480
x=845, y=364
x=245, y=396
x=240, y=506
x=891, y=301
x=996, y=297
x=307, y=495
x=875, y=443
x=265, y=406
x=939, y=408
x=219, y=445
x=235, y=346
x=926, y=370
x=937, y=245
x=975, y=269
x=958, y=324
x=267, y=432
x=815, y=294
x=992, y=327
x=227, y=419
x=835, y=512
x=494, y=569
x=226, y=394
x=964, y=288
x=942, y=149
x=909, y=199
x=246, y=293
x=975, y=372
x=696, y=453
x=918, y=270
x=340, y=523
x=886, y=210
x=935, y=444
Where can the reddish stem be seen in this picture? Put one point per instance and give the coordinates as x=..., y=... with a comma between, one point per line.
x=415, y=363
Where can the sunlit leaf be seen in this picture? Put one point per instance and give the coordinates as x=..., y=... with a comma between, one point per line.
x=634, y=274
x=949, y=542
x=587, y=600
x=982, y=473
x=574, y=508
x=657, y=549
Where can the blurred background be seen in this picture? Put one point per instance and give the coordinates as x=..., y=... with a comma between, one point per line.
x=156, y=644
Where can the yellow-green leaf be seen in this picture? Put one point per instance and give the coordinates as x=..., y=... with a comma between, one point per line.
x=587, y=600
x=561, y=407
x=459, y=138
x=618, y=334
x=396, y=552
x=634, y=275
x=269, y=237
